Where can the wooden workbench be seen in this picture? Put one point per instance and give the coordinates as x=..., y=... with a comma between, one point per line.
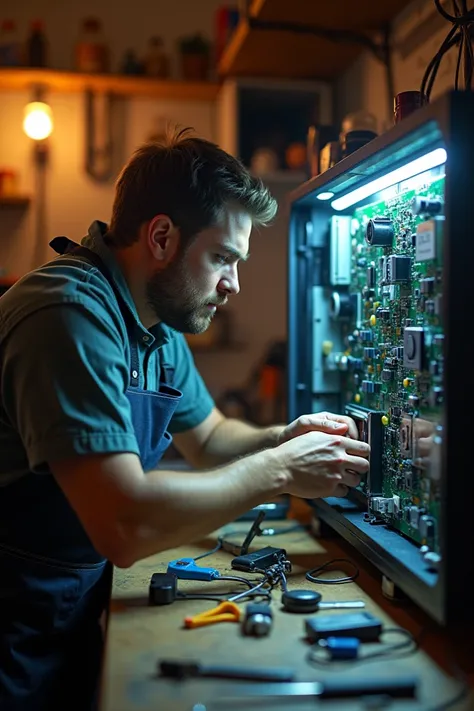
x=139, y=635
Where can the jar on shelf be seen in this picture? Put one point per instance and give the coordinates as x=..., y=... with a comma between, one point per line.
x=155, y=61
x=358, y=129
x=91, y=51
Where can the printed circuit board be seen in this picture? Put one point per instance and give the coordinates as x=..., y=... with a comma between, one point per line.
x=391, y=358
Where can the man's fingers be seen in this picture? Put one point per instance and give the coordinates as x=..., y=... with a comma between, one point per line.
x=351, y=478
x=340, y=491
x=355, y=447
x=321, y=424
x=342, y=419
x=356, y=464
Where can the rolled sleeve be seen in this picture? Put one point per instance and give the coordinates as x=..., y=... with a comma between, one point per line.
x=196, y=403
x=64, y=379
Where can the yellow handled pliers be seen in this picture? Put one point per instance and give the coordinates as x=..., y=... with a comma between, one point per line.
x=225, y=612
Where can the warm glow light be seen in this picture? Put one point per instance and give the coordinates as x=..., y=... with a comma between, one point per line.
x=414, y=167
x=38, y=121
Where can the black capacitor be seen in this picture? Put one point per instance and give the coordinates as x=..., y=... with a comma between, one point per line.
x=380, y=232
x=341, y=305
x=371, y=277
x=427, y=285
x=425, y=206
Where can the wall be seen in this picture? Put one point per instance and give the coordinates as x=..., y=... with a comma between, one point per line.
x=417, y=35
x=73, y=199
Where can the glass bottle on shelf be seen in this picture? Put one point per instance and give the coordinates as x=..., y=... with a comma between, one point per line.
x=10, y=48
x=36, y=46
x=91, y=51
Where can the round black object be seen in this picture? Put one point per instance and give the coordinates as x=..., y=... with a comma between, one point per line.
x=301, y=600
x=380, y=232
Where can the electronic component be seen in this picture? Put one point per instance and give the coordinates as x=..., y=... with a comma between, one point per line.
x=341, y=648
x=396, y=365
x=397, y=268
x=259, y=560
x=258, y=619
x=362, y=625
x=425, y=206
x=379, y=232
x=162, y=589
x=370, y=428
x=187, y=569
x=340, y=256
x=413, y=347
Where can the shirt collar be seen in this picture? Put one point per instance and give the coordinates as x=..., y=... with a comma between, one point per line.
x=94, y=240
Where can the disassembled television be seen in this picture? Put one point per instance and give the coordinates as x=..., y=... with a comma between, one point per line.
x=381, y=253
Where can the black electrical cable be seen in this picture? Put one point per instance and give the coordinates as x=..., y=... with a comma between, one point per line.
x=311, y=575
x=460, y=34
x=397, y=650
x=213, y=550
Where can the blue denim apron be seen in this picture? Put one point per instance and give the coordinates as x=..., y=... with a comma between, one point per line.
x=54, y=586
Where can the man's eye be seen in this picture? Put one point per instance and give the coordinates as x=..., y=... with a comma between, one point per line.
x=220, y=259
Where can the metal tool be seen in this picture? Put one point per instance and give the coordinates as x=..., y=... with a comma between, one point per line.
x=255, y=530
x=307, y=601
x=340, y=688
x=187, y=569
x=258, y=619
x=225, y=612
x=179, y=669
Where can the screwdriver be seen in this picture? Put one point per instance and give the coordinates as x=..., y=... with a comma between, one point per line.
x=182, y=669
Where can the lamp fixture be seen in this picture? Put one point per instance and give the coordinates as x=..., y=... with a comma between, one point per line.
x=420, y=165
x=38, y=120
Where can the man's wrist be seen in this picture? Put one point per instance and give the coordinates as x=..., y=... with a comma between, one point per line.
x=272, y=435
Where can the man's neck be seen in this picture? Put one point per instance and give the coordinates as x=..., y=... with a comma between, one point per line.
x=133, y=272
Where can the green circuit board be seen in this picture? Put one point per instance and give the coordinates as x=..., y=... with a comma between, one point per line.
x=394, y=353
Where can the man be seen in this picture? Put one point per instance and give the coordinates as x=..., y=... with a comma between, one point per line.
x=95, y=377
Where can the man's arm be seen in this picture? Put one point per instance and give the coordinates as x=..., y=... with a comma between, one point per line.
x=220, y=439
x=132, y=515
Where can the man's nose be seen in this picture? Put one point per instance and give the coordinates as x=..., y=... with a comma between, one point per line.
x=230, y=283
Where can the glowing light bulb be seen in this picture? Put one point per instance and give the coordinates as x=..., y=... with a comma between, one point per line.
x=38, y=121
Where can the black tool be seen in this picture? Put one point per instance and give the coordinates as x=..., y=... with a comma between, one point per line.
x=187, y=669
x=162, y=589
x=307, y=601
x=362, y=625
x=258, y=619
x=259, y=560
x=340, y=688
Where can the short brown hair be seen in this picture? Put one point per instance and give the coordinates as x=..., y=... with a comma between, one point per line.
x=191, y=180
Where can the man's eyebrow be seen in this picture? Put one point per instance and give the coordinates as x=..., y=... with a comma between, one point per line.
x=234, y=252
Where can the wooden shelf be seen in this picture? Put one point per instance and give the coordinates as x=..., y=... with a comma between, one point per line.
x=14, y=201
x=122, y=85
x=290, y=55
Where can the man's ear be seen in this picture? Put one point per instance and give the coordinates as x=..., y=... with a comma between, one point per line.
x=163, y=239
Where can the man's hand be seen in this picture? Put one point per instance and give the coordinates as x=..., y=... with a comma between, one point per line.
x=320, y=464
x=320, y=422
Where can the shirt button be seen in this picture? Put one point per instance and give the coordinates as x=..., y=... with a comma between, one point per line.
x=134, y=374
x=146, y=338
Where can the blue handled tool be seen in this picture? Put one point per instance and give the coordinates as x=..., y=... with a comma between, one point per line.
x=187, y=569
